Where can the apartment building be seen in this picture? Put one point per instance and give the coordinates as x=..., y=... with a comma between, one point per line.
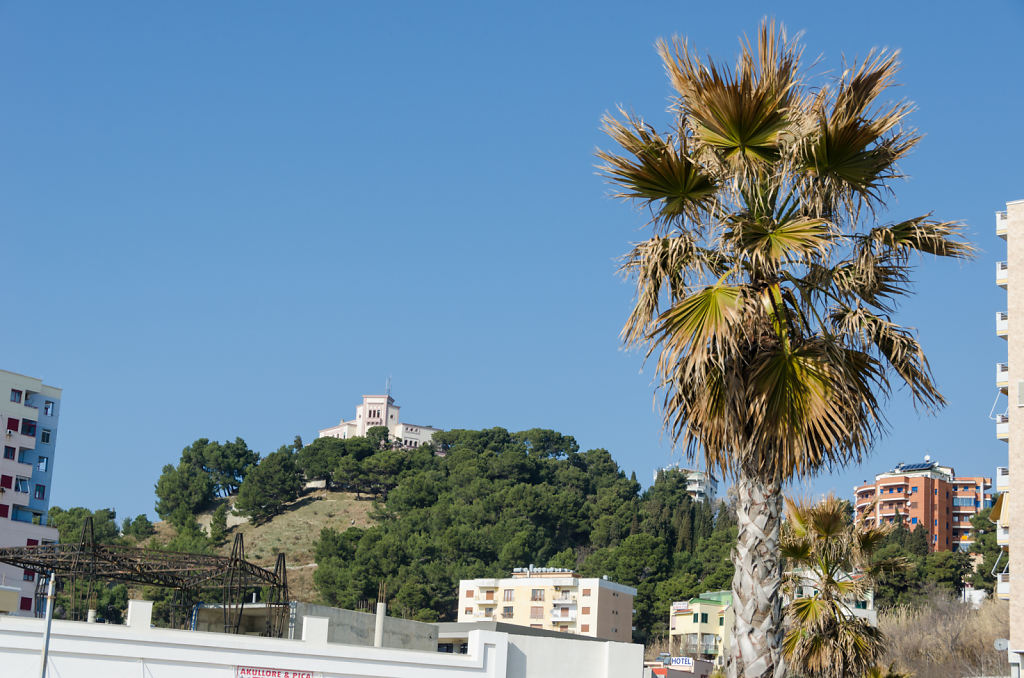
x=1010, y=424
x=1000, y=518
x=701, y=628
x=551, y=598
x=928, y=494
x=381, y=410
x=29, y=410
x=700, y=485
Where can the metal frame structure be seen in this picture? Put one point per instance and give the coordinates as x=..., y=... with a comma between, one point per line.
x=192, y=576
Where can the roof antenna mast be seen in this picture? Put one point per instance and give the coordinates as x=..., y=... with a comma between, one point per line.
x=387, y=386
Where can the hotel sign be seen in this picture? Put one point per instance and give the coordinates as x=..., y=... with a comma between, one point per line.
x=683, y=663
x=265, y=672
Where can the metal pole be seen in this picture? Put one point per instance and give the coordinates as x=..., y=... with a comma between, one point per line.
x=46, y=633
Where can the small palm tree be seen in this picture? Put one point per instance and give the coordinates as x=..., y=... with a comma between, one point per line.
x=826, y=552
x=768, y=286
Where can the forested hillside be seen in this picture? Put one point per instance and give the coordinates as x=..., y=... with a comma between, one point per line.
x=498, y=500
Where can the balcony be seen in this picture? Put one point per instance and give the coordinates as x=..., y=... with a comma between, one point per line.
x=1002, y=224
x=1003, y=535
x=1002, y=427
x=1003, y=585
x=1002, y=479
x=1002, y=269
x=1002, y=376
x=1002, y=324
x=566, y=616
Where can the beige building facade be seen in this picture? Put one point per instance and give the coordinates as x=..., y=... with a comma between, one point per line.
x=1010, y=424
x=701, y=628
x=381, y=410
x=551, y=598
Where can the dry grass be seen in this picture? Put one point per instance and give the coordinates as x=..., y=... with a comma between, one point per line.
x=945, y=637
x=293, y=532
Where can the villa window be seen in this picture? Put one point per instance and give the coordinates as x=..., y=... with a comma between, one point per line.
x=537, y=612
x=21, y=485
x=44, y=436
x=28, y=427
x=15, y=395
x=42, y=464
x=508, y=595
x=537, y=594
x=40, y=491
x=8, y=452
x=48, y=408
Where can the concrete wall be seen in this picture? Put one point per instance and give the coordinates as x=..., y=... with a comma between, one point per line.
x=540, y=657
x=356, y=628
x=1014, y=507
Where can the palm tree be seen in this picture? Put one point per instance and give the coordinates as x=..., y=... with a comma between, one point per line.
x=767, y=287
x=827, y=553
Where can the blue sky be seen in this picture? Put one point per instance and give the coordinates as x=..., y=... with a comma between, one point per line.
x=233, y=219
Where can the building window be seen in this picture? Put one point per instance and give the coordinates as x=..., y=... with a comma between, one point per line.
x=26, y=604
x=42, y=465
x=703, y=617
x=48, y=408
x=536, y=626
x=28, y=427
x=4, y=511
x=913, y=489
x=536, y=594
x=21, y=485
x=506, y=612
x=8, y=452
x=586, y=592
x=489, y=595
x=696, y=617
x=28, y=575
x=44, y=436
x=15, y=395
x=40, y=491
x=469, y=610
x=469, y=594
x=585, y=610
x=721, y=620
x=7, y=482
x=508, y=595
x=584, y=628
x=12, y=424
x=913, y=521
x=537, y=612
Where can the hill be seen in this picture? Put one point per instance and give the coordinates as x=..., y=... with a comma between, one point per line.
x=293, y=532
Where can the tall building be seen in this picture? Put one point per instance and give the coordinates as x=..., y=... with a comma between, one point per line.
x=928, y=494
x=381, y=410
x=1010, y=424
x=701, y=485
x=29, y=410
x=551, y=598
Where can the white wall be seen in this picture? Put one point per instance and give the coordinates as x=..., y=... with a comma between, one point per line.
x=80, y=650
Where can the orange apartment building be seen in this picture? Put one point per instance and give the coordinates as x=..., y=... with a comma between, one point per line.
x=927, y=494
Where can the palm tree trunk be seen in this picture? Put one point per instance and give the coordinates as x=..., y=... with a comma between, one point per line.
x=756, y=586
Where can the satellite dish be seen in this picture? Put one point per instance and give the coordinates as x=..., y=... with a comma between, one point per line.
x=927, y=458
x=1001, y=644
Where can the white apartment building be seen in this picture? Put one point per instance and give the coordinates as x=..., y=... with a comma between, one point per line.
x=700, y=485
x=381, y=410
x=1010, y=424
x=551, y=598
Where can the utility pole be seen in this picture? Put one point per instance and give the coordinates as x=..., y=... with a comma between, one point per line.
x=49, y=620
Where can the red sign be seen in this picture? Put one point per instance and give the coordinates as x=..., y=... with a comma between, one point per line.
x=264, y=672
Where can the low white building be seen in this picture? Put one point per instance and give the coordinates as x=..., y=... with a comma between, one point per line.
x=381, y=410
x=84, y=650
x=700, y=485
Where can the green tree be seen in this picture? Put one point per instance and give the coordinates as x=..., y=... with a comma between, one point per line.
x=824, y=549
x=319, y=460
x=985, y=544
x=69, y=524
x=268, y=487
x=947, y=570
x=185, y=486
x=379, y=437
x=219, y=525
x=768, y=286
x=139, y=528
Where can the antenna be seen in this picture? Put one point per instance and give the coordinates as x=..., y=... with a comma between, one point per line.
x=387, y=386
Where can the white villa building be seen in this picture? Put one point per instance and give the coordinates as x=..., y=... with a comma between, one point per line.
x=381, y=410
x=700, y=485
